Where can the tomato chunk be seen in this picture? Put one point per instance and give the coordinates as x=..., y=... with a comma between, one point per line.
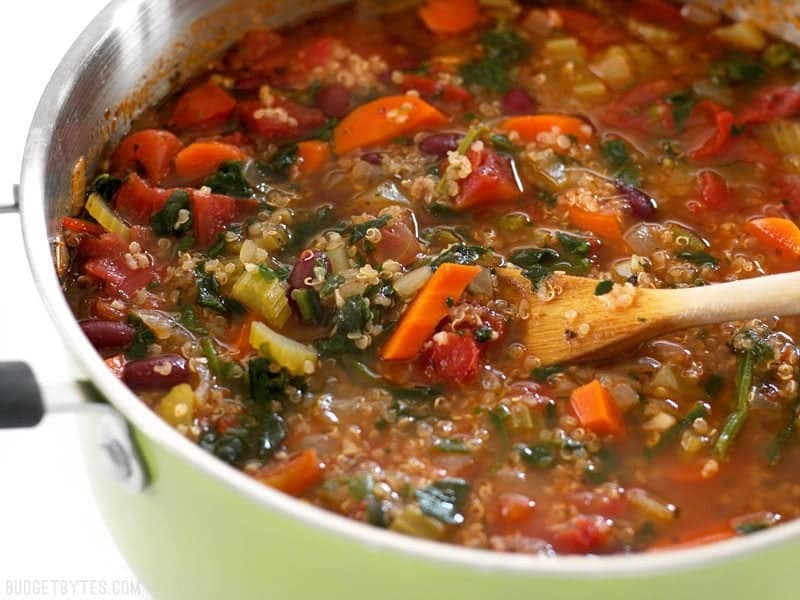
x=299, y=120
x=136, y=201
x=780, y=102
x=211, y=213
x=204, y=106
x=452, y=357
x=150, y=152
x=583, y=535
x=714, y=192
x=492, y=181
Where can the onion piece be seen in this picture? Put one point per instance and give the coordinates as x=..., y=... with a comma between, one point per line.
x=410, y=283
x=645, y=238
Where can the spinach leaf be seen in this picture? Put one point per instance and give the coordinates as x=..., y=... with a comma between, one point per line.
x=541, y=456
x=106, y=186
x=736, y=67
x=272, y=435
x=616, y=154
x=229, y=180
x=682, y=103
x=701, y=258
x=444, y=500
x=604, y=287
x=165, y=221
x=352, y=317
x=359, y=231
x=143, y=337
x=460, y=254
x=321, y=218
x=278, y=166
x=208, y=291
x=264, y=385
x=542, y=374
x=501, y=50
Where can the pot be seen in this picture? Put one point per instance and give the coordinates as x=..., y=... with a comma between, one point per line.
x=189, y=525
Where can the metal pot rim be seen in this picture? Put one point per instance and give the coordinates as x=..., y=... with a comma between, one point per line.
x=34, y=225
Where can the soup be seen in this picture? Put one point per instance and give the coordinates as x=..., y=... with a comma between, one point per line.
x=298, y=261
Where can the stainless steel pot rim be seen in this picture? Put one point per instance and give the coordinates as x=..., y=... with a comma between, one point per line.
x=32, y=208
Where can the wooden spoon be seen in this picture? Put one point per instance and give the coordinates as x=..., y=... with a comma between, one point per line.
x=568, y=321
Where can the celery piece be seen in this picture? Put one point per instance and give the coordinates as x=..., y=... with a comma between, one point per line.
x=412, y=522
x=564, y=49
x=108, y=219
x=177, y=407
x=307, y=301
x=263, y=295
x=296, y=358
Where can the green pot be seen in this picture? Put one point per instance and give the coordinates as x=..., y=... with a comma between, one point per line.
x=192, y=527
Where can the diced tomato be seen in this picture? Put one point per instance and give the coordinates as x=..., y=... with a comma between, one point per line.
x=107, y=244
x=274, y=129
x=317, y=53
x=430, y=88
x=452, y=357
x=780, y=102
x=583, y=535
x=723, y=121
x=660, y=12
x=789, y=193
x=591, y=29
x=150, y=151
x=398, y=241
x=252, y=49
x=136, y=201
x=492, y=181
x=513, y=509
x=211, y=213
x=635, y=109
x=714, y=192
x=203, y=107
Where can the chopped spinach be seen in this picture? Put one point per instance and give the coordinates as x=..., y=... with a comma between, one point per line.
x=461, y=254
x=143, y=337
x=502, y=49
x=736, y=67
x=616, y=154
x=604, y=287
x=502, y=143
x=700, y=258
x=208, y=292
x=278, y=166
x=165, y=221
x=681, y=103
x=272, y=435
x=541, y=456
x=352, y=317
x=542, y=374
x=444, y=500
x=359, y=230
x=264, y=384
x=106, y=186
x=229, y=180
x=321, y=218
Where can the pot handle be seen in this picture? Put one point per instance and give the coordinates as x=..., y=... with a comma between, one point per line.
x=21, y=401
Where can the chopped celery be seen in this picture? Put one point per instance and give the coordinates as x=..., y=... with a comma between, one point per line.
x=296, y=358
x=177, y=407
x=264, y=295
x=338, y=258
x=307, y=301
x=521, y=418
x=108, y=219
x=412, y=522
x=565, y=49
x=614, y=67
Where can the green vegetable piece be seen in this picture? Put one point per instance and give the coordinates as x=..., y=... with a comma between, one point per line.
x=208, y=291
x=542, y=374
x=278, y=166
x=781, y=54
x=736, y=67
x=541, y=456
x=106, y=186
x=483, y=334
x=682, y=103
x=308, y=305
x=272, y=435
x=502, y=143
x=143, y=337
x=460, y=254
x=604, y=287
x=451, y=445
x=698, y=258
x=713, y=385
x=502, y=49
x=775, y=449
x=359, y=231
x=165, y=221
x=230, y=181
x=444, y=500
x=615, y=153
x=265, y=385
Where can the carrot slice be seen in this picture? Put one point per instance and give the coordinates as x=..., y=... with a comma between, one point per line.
x=201, y=159
x=595, y=409
x=605, y=226
x=781, y=235
x=149, y=150
x=311, y=156
x=384, y=119
x=295, y=476
x=426, y=311
x=450, y=16
x=530, y=126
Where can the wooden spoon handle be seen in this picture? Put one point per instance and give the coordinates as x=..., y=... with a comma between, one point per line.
x=738, y=300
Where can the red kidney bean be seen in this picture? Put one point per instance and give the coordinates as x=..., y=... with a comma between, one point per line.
x=107, y=336
x=156, y=372
x=640, y=204
x=304, y=268
x=334, y=100
x=439, y=144
x=517, y=102
x=373, y=158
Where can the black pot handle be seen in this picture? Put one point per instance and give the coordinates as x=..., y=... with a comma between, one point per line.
x=21, y=402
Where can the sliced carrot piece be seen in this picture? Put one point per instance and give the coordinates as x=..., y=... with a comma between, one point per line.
x=450, y=16
x=781, y=235
x=311, y=156
x=240, y=346
x=595, y=409
x=150, y=151
x=530, y=126
x=295, y=476
x=426, y=310
x=384, y=119
x=605, y=226
x=201, y=159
